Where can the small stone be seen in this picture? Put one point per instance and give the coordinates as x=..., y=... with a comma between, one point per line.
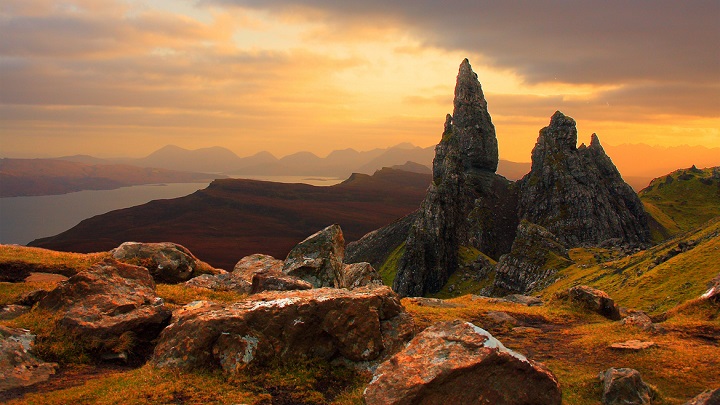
x=632, y=345
x=624, y=386
x=595, y=300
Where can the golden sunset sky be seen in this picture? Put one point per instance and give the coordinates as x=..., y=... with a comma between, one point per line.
x=115, y=78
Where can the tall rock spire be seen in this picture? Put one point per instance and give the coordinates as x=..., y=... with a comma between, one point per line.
x=468, y=205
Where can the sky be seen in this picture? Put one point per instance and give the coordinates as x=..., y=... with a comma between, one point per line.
x=122, y=78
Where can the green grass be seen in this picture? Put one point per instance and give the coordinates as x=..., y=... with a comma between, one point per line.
x=682, y=200
x=389, y=268
x=636, y=282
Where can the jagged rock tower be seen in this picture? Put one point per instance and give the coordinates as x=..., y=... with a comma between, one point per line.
x=467, y=205
x=571, y=197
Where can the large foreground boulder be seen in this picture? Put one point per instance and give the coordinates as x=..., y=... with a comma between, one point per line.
x=595, y=300
x=365, y=324
x=110, y=307
x=624, y=386
x=18, y=367
x=167, y=262
x=459, y=363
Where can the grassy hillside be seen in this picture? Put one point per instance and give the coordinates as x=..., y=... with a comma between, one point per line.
x=654, y=280
x=682, y=200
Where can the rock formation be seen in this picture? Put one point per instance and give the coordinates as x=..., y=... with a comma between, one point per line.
x=108, y=304
x=319, y=258
x=467, y=204
x=577, y=193
x=572, y=197
x=595, y=300
x=536, y=254
x=365, y=324
x=167, y=262
x=459, y=363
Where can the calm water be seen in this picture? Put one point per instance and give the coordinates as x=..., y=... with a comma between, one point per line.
x=23, y=219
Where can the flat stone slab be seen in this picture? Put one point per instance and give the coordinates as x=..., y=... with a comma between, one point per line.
x=632, y=345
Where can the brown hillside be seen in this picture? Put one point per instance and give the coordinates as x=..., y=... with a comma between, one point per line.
x=233, y=218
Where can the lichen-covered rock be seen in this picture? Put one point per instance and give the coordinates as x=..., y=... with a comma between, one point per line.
x=708, y=397
x=359, y=325
x=257, y=263
x=624, y=386
x=359, y=275
x=459, y=363
x=220, y=282
x=577, y=193
x=638, y=319
x=535, y=256
x=277, y=281
x=18, y=367
x=319, y=258
x=109, y=303
x=167, y=262
x=595, y=300
x=240, y=280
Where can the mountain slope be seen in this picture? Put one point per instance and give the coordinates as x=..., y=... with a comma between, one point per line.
x=233, y=218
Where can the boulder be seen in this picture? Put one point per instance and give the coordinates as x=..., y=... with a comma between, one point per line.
x=364, y=324
x=319, y=258
x=359, y=275
x=167, y=262
x=18, y=367
x=110, y=307
x=257, y=263
x=713, y=292
x=277, y=281
x=220, y=282
x=459, y=363
x=708, y=397
x=595, y=300
x=638, y=319
x=623, y=386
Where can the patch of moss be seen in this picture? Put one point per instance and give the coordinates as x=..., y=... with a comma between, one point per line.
x=389, y=268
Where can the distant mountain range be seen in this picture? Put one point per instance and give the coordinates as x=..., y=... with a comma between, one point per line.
x=637, y=163
x=233, y=218
x=32, y=177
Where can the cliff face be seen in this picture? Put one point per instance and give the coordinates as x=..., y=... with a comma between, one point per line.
x=571, y=197
x=467, y=204
x=577, y=193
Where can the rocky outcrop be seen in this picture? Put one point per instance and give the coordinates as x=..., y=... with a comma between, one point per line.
x=240, y=280
x=376, y=246
x=360, y=325
x=319, y=258
x=595, y=300
x=577, y=193
x=708, y=397
x=624, y=386
x=167, y=262
x=359, y=275
x=459, y=363
x=18, y=367
x=536, y=255
x=467, y=204
x=109, y=307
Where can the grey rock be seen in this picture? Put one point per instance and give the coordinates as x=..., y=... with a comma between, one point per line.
x=359, y=275
x=273, y=280
x=624, y=386
x=595, y=300
x=707, y=397
x=167, y=262
x=536, y=255
x=18, y=366
x=319, y=258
